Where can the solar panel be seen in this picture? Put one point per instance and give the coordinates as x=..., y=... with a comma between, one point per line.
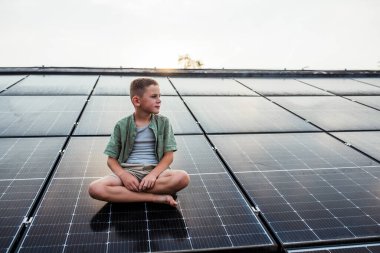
x=210, y=86
x=102, y=113
x=373, y=101
x=368, y=142
x=332, y=113
x=8, y=80
x=54, y=85
x=279, y=152
x=314, y=193
x=281, y=86
x=39, y=115
x=361, y=248
x=342, y=86
x=119, y=85
x=243, y=114
x=26, y=158
x=372, y=81
x=24, y=164
x=16, y=199
x=333, y=196
x=212, y=214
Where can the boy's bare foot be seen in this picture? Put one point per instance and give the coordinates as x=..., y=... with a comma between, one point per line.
x=166, y=199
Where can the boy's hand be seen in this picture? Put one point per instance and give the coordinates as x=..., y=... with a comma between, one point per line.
x=130, y=182
x=147, y=182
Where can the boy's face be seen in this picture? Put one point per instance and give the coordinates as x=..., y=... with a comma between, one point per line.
x=150, y=101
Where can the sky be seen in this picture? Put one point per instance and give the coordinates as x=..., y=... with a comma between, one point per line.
x=233, y=34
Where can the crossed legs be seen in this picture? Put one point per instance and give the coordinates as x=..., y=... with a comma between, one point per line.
x=111, y=189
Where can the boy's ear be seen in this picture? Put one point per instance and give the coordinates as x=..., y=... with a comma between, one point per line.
x=135, y=100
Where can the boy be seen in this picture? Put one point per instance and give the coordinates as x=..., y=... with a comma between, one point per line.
x=139, y=153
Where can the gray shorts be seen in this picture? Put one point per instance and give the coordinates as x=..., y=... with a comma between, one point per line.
x=138, y=170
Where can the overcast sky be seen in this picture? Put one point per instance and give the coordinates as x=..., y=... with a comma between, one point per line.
x=267, y=34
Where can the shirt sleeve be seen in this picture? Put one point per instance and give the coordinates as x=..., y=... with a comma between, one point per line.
x=113, y=147
x=169, y=139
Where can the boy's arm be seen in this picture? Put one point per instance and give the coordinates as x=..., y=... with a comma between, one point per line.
x=149, y=180
x=129, y=181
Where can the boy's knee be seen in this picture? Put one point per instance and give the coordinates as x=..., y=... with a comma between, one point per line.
x=184, y=179
x=96, y=190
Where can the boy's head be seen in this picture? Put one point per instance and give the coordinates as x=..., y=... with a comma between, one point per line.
x=145, y=95
x=139, y=85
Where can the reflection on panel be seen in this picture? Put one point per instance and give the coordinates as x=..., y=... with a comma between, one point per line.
x=210, y=86
x=368, y=142
x=8, y=80
x=373, y=101
x=39, y=115
x=113, y=85
x=103, y=112
x=54, y=85
x=299, y=151
x=309, y=187
x=211, y=213
x=243, y=114
x=332, y=113
x=119, y=85
x=342, y=86
x=281, y=86
x=195, y=156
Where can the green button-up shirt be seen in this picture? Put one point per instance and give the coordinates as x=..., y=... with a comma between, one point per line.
x=124, y=134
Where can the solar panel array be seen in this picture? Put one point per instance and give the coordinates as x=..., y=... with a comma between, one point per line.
x=276, y=164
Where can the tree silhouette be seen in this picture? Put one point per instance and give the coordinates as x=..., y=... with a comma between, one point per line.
x=188, y=63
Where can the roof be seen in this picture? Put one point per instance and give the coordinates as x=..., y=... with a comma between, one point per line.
x=279, y=160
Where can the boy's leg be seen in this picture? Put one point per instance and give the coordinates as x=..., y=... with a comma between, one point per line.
x=111, y=189
x=170, y=182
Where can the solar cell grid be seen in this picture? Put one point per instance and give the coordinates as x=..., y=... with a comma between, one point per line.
x=24, y=164
x=243, y=114
x=297, y=151
x=327, y=192
x=210, y=86
x=363, y=248
x=54, y=85
x=27, y=158
x=211, y=214
x=102, y=113
x=322, y=213
x=281, y=87
x=342, y=86
x=119, y=85
x=16, y=199
x=332, y=113
x=39, y=115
